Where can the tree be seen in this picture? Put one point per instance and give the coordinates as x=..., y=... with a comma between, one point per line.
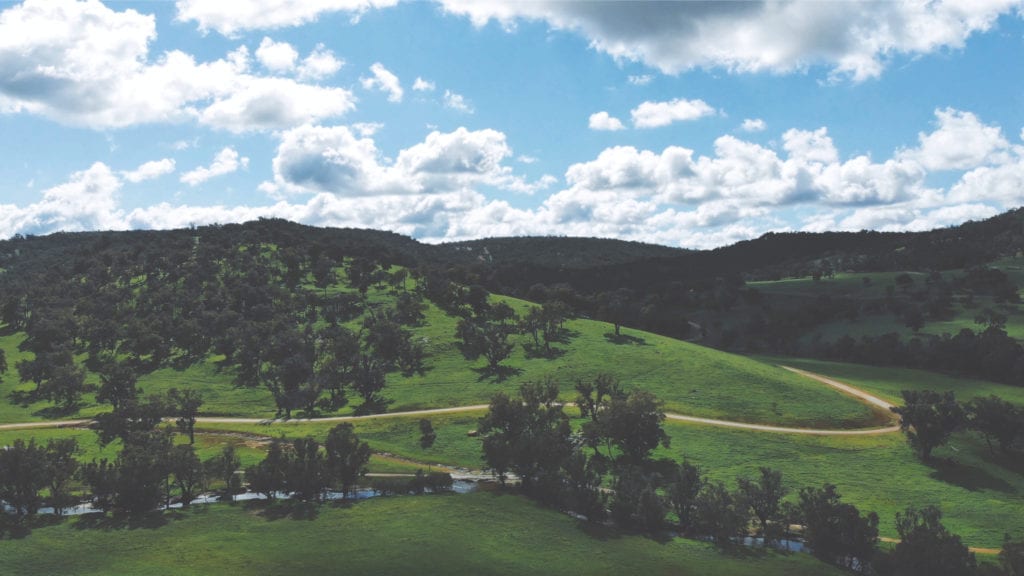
x=529, y=436
x=368, y=379
x=996, y=418
x=635, y=503
x=185, y=404
x=189, y=472
x=117, y=384
x=65, y=386
x=764, y=496
x=346, y=456
x=928, y=419
x=583, y=477
x=61, y=468
x=131, y=418
x=224, y=466
x=142, y=469
x=307, y=475
x=1011, y=556
x=23, y=475
x=270, y=476
x=926, y=547
x=633, y=424
x=682, y=491
x=834, y=530
x=593, y=397
x=720, y=514
x=481, y=337
x=427, y=434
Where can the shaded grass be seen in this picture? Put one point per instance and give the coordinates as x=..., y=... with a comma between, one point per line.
x=480, y=533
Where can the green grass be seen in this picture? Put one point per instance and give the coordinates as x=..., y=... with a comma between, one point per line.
x=887, y=382
x=479, y=533
x=981, y=495
x=690, y=379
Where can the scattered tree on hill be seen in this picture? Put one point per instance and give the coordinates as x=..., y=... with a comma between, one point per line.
x=764, y=497
x=583, y=476
x=995, y=418
x=368, y=379
x=928, y=419
x=926, y=547
x=487, y=338
x=141, y=471
x=427, y=434
x=130, y=419
x=593, y=397
x=184, y=405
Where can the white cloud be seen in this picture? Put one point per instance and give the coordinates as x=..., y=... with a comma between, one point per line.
x=275, y=103
x=319, y=64
x=83, y=64
x=315, y=159
x=367, y=128
x=603, y=121
x=276, y=56
x=753, y=125
x=385, y=81
x=640, y=79
x=87, y=201
x=960, y=141
x=854, y=39
x=231, y=18
x=657, y=114
x=421, y=85
x=226, y=162
x=149, y=170
x=457, y=102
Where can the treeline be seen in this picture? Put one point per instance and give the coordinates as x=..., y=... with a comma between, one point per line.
x=530, y=437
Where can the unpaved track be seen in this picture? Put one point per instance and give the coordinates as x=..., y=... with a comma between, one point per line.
x=844, y=388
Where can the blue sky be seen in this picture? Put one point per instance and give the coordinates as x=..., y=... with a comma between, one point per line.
x=691, y=124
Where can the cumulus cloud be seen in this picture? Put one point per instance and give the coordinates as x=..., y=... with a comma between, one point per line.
x=959, y=141
x=457, y=102
x=231, y=18
x=276, y=56
x=753, y=125
x=658, y=114
x=149, y=171
x=319, y=64
x=855, y=40
x=84, y=64
x=452, y=185
x=603, y=121
x=225, y=162
x=421, y=85
x=87, y=201
x=331, y=159
x=385, y=81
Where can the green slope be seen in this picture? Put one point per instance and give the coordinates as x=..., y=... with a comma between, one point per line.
x=458, y=534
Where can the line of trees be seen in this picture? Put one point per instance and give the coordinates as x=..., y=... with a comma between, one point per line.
x=929, y=418
x=605, y=471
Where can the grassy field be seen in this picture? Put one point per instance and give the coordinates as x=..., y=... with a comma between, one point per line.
x=690, y=379
x=887, y=382
x=480, y=533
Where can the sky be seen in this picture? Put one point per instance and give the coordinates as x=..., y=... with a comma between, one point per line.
x=690, y=124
